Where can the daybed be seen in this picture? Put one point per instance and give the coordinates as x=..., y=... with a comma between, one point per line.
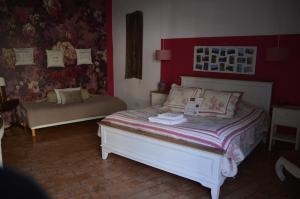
x=45, y=114
x=207, y=154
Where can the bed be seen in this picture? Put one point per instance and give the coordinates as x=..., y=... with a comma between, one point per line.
x=192, y=160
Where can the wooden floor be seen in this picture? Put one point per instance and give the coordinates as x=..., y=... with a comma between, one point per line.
x=65, y=161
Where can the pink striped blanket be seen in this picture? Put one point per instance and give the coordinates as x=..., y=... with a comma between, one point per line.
x=234, y=136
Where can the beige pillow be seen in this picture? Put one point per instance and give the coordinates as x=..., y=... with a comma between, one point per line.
x=51, y=97
x=219, y=103
x=57, y=91
x=85, y=94
x=70, y=96
x=178, y=97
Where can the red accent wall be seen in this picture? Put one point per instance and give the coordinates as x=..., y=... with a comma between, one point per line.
x=285, y=75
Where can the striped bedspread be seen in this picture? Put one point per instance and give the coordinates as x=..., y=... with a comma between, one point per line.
x=208, y=131
x=234, y=136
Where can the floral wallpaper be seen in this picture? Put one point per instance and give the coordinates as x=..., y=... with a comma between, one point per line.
x=52, y=24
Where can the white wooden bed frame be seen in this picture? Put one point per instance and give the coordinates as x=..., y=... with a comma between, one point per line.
x=199, y=165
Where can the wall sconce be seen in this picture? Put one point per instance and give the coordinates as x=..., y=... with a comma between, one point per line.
x=163, y=55
x=277, y=53
x=2, y=86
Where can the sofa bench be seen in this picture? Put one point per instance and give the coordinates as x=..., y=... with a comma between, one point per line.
x=43, y=114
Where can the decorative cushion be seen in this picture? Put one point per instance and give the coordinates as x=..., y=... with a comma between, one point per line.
x=178, y=97
x=219, y=103
x=85, y=94
x=51, y=97
x=70, y=96
x=57, y=91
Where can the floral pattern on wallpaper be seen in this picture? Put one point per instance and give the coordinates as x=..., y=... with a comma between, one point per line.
x=52, y=24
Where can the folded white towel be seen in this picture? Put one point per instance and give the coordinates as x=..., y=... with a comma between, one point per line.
x=166, y=121
x=171, y=116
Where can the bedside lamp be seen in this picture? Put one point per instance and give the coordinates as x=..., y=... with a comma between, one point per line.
x=2, y=86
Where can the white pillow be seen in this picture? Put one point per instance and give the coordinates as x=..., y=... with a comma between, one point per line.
x=58, y=96
x=55, y=58
x=83, y=56
x=219, y=103
x=179, y=96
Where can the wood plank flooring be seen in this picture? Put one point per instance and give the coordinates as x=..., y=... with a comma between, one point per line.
x=65, y=161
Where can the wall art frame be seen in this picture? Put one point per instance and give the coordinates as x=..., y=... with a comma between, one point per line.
x=55, y=58
x=225, y=59
x=84, y=56
x=24, y=56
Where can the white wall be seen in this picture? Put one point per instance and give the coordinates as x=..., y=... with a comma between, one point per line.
x=136, y=92
x=192, y=18
x=206, y=18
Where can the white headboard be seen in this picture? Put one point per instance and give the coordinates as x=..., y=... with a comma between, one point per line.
x=254, y=92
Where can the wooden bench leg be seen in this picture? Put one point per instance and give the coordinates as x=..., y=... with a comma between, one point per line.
x=33, y=132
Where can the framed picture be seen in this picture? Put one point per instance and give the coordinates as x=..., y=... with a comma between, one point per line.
x=225, y=59
x=55, y=58
x=84, y=56
x=24, y=56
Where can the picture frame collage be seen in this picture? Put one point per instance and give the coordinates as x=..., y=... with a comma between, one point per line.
x=225, y=59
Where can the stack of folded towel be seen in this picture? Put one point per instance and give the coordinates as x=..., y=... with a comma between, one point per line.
x=168, y=118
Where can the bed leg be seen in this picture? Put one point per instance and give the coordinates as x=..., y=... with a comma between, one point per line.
x=104, y=154
x=33, y=132
x=215, y=191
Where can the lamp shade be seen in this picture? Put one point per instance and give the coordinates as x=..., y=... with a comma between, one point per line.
x=2, y=81
x=277, y=54
x=163, y=54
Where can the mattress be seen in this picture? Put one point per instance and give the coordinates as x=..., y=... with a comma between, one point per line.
x=234, y=137
x=42, y=113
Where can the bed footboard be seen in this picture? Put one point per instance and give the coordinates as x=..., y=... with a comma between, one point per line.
x=201, y=166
